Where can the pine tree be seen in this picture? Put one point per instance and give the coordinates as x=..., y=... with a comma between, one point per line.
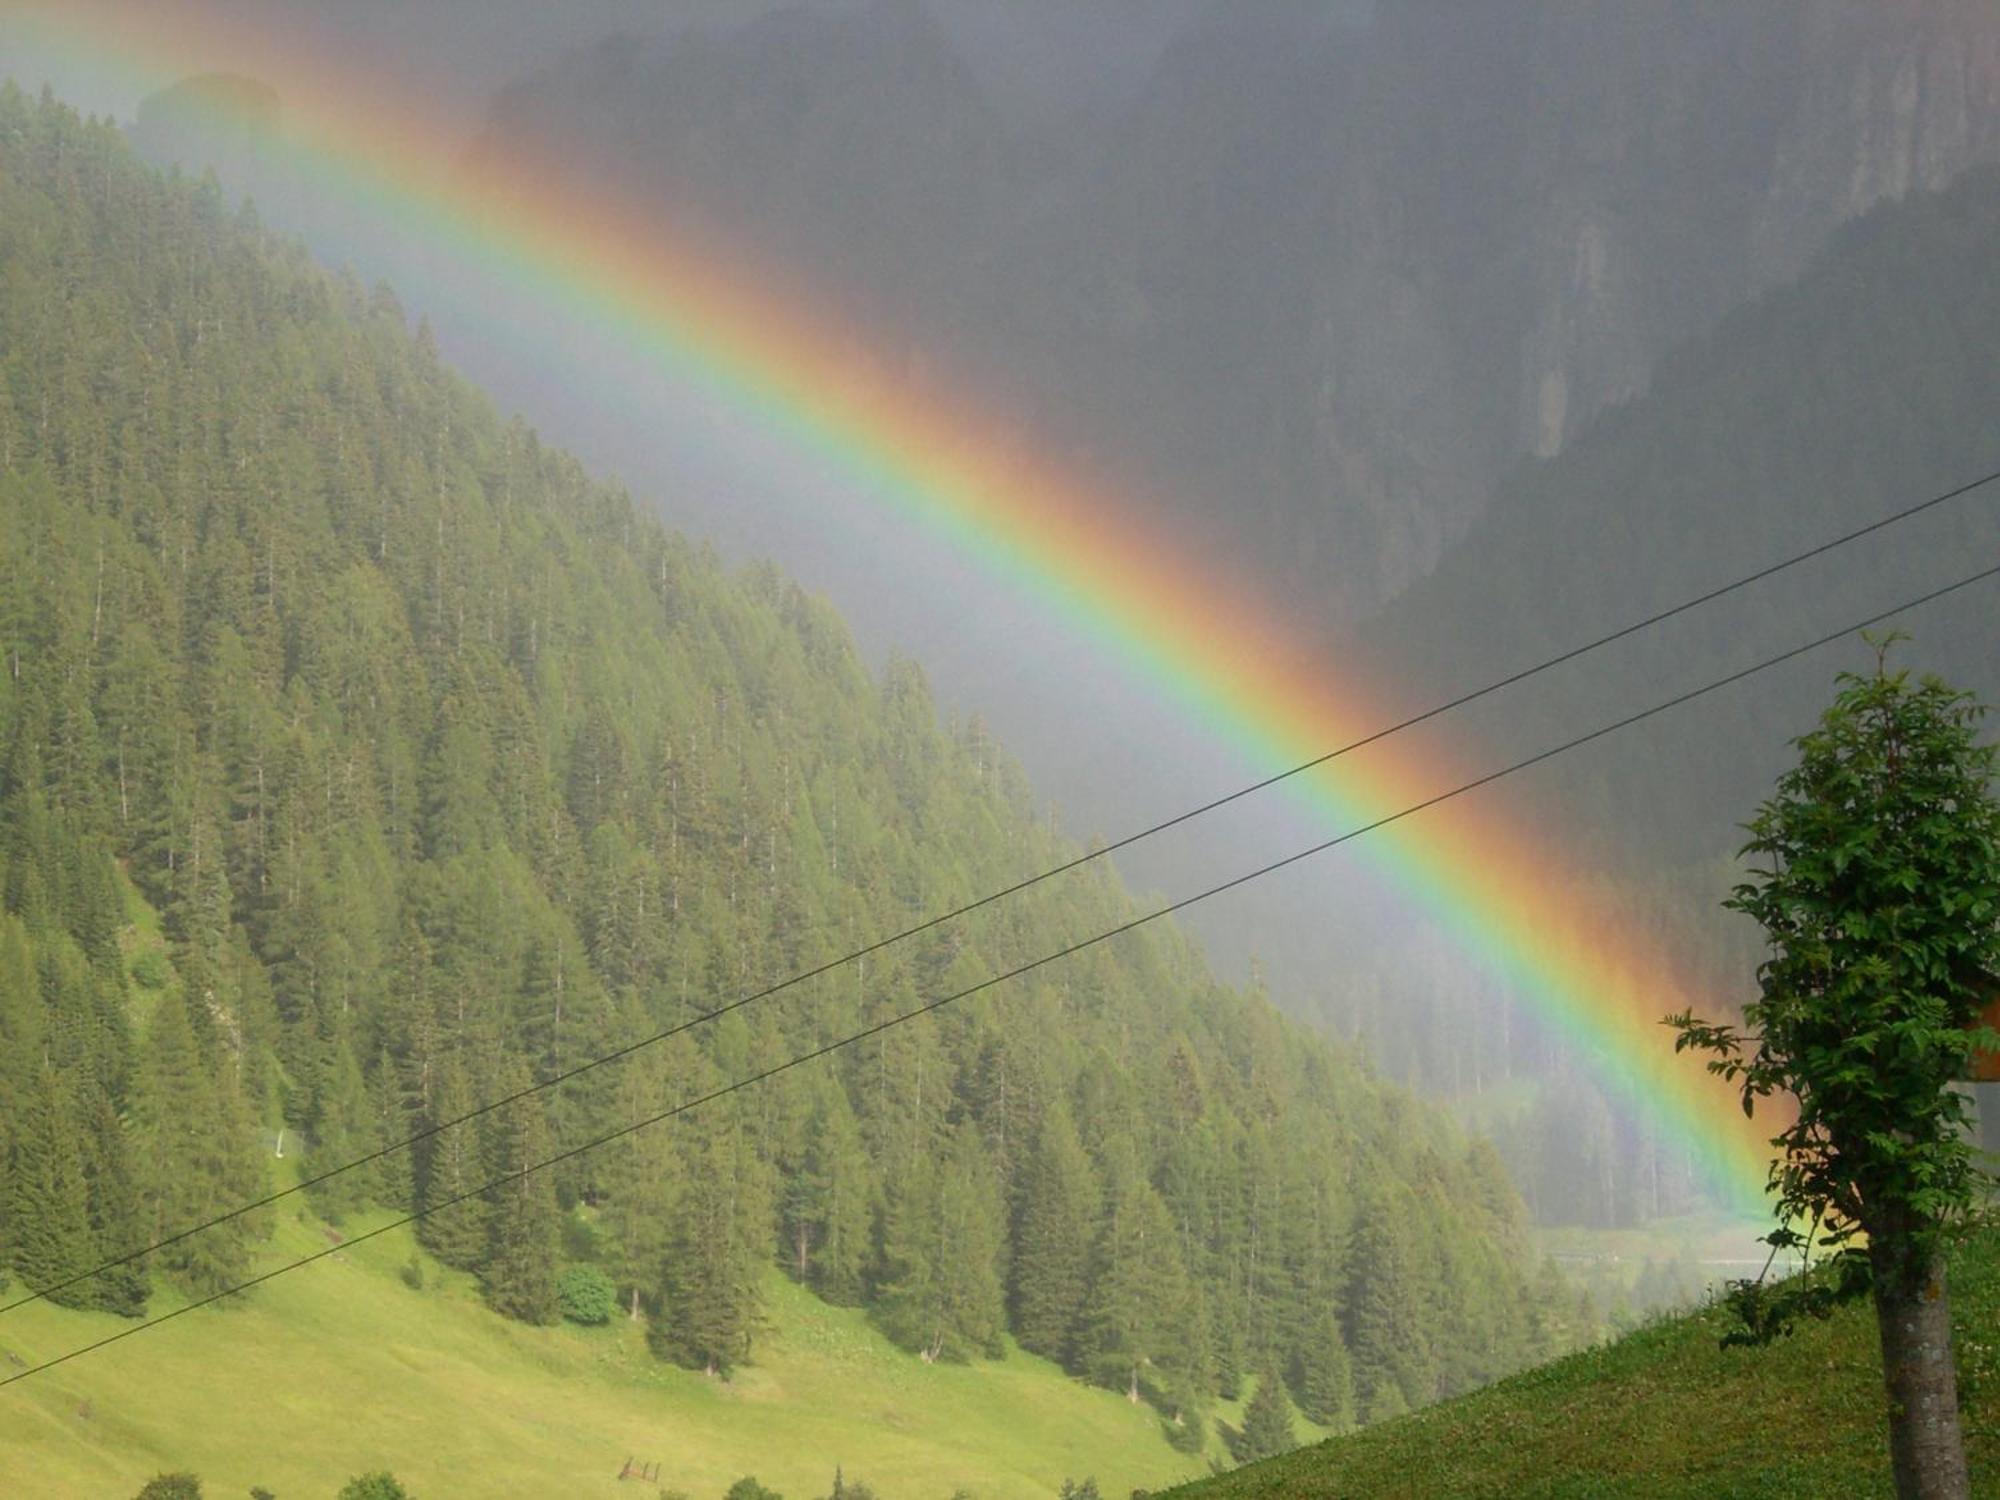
x=1052, y=1235
x=47, y=1198
x=1139, y=1303
x=709, y=1295
x=1326, y=1376
x=523, y=1225
x=455, y=1214
x=940, y=1293
x=1384, y=1315
x=1267, y=1422
x=826, y=1204
x=117, y=1227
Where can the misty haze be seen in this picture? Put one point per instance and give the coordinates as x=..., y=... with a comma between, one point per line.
x=929, y=747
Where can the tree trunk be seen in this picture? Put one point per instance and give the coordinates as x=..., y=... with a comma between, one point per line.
x=1914, y=1316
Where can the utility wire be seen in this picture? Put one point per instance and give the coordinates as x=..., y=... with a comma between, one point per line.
x=1029, y=967
x=1473, y=696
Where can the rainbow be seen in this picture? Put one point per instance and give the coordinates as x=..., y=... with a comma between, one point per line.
x=1070, y=548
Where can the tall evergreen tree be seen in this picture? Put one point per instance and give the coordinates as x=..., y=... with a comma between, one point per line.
x=1139, y=1304
x=940, y=1293
x=1267, y=1422
x=47, y=1198
x=523, y=1228
x=1052, y=1237
x=709, y=1294
x=1383, y=1302
x=455, y=1213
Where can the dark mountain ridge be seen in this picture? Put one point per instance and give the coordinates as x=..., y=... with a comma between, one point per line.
x=1318, y=282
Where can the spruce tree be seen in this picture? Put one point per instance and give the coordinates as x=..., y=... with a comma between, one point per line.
x=1267, y=1422
x=47, y=1197
x=116, y=1223
x=523, y=1225
x=1052, y=1235
x=1326, y=1375
x=1384, y=1314
x=455, y=1214
x=709, y=1293
x=1139, y=1304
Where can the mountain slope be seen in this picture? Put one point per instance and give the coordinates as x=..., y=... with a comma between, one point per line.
x=444, y=771
x=1665, y=1414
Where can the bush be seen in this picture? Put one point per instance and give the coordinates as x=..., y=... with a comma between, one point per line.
x=171, y=1487
x=748, y=1488
x=413, y=1274
x=378, y=1486
x=149, y=972
x=586, y=1295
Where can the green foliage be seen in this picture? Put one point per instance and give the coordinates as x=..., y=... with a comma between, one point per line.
x=171, y=1487
x=747, y=1488
x=443, y=767
x=1267, y=1423
x=1052, y=1237
x=1881, y=899
x=586, y=1295
x=380, y=1485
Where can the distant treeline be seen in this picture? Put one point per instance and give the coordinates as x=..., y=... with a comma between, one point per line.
x=364, y=761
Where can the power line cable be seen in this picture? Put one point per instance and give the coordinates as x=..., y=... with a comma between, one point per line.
x=618, y=1054
x=1029, y=967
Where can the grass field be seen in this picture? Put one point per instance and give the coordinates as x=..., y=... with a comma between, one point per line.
x=1666, y=1413
x=341, y=1368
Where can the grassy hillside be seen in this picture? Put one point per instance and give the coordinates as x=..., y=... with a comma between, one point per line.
x=343, y=1367
x=1666, y=1413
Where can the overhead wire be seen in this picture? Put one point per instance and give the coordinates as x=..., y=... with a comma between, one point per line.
x=1103, y=936
x=617, y=1054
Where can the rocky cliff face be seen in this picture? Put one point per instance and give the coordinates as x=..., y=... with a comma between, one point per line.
x=1711, y=166
x=1328, y=273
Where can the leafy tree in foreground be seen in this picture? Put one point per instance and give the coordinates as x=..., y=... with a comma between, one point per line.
x=171, y=1487
x=1880, y=904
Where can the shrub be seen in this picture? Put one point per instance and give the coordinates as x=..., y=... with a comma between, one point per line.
x=381, y=1485
x=586, y=1295
x=149, y=970
x=171, y=1487
x=748, y=1488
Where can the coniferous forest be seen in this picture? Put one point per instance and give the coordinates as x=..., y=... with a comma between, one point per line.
x=365, y=760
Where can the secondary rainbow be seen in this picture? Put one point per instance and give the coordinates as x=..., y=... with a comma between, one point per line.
x=1071, y=547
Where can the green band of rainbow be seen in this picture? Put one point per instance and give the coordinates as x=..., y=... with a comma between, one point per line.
x=1219, y=657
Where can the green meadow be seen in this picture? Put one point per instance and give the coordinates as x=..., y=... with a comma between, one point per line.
x=342, y=1367
x=1666, y=1414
